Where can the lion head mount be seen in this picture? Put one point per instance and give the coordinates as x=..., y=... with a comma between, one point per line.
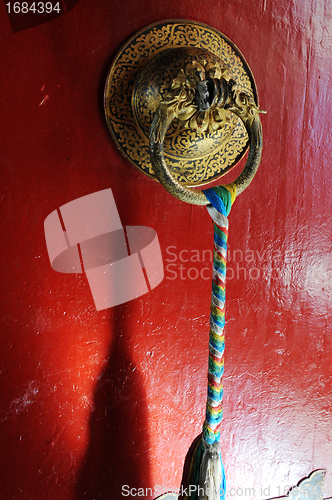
x=203, y=95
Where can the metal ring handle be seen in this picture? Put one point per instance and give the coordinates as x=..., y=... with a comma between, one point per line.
x=247, y=112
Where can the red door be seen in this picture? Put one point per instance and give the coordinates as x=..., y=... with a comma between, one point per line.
x=104, y=403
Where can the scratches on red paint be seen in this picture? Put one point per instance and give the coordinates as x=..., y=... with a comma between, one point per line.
x=21, y=404
x=46, y=98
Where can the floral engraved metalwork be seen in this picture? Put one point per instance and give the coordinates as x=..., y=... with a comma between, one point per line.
x=141, y=77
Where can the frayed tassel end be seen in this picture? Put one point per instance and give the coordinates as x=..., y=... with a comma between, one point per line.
x=212, y=481
x=204, y=475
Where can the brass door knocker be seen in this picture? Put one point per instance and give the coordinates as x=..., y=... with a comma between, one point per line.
x=174, y=61
x=181, y=105
x=201, y=97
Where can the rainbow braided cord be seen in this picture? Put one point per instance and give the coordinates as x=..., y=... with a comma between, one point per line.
x=214, y=404
x=221, y=199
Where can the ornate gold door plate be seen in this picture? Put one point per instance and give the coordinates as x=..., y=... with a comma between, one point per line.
x=140, y=77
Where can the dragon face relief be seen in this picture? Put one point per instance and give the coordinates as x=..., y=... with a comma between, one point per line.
x=199, y=94
x=203, y=95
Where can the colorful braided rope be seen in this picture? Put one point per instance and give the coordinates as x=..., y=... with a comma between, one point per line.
x=221, y=199
x=214, y=405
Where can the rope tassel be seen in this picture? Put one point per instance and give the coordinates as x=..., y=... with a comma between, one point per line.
x=212, y=482
x=206, y=478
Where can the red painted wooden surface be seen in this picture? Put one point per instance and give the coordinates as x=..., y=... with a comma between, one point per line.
x=92, y=401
